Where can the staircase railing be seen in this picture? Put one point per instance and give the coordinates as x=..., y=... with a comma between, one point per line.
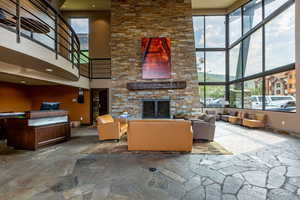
x=38, y=21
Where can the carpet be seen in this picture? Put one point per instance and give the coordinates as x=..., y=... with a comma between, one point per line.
x=113, y=147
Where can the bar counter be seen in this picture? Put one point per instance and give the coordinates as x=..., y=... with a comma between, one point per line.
x=37, y=129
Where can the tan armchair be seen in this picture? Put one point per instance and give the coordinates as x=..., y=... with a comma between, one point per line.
x=225, y=116
x=255, y=120
x=236, y=119
x=110, y=128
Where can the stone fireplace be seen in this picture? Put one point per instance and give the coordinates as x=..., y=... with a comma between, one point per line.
x=133, y=20
x=156, y=109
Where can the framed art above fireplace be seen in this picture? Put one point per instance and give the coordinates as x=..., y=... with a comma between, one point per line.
x=156, y=58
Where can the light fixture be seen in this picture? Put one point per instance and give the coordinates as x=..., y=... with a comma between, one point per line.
x=49, y=70
x=93, y=6
x=23, y=82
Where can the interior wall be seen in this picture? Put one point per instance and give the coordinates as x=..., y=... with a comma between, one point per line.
x=14, y=98
x=99, y=31
x=67, y=96
x=20, y=98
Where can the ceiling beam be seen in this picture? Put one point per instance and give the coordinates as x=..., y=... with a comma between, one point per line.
x=223, y=11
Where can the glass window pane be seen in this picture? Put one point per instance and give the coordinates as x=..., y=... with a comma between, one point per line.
x=280, y=40
x=80, y=25
x=215, y=31
x=200, y=65
x=272, y=5
x=198, y=23
x=235, y=99
x=84, y=41
x=81, y=28
x=215, y=96
x=253, y=60
x=84, y=57
x=253, y=94
x=235, y=26
x=281, y=91
x=252, y=14
x=215, y=66
x=235, y=63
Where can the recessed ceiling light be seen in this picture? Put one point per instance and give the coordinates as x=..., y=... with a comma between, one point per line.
x=93, y=6
x=23, y=82
x=49, y=70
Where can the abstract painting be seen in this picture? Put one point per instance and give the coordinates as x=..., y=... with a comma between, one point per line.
x=156, y=58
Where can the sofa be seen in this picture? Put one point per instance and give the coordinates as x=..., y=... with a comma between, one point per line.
x=204, y=129
x=110, y=128
x=160, y=135
x=257, y=120
x=236, y=119
x=226, y=115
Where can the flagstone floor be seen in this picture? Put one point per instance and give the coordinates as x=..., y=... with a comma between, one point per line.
x=264, y=166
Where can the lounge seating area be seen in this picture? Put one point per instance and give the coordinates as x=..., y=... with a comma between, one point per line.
x=172, y=134
x=157, y=134
x=256, y=120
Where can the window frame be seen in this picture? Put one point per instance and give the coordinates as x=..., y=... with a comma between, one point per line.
x=244, y=36
x=204, y=50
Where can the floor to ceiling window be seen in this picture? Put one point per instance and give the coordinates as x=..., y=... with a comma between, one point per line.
x=210, y=42
x=259, y=71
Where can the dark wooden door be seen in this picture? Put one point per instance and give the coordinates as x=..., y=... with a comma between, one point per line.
x=103, y=102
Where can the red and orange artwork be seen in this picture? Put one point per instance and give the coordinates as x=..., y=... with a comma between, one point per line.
x=156, y=58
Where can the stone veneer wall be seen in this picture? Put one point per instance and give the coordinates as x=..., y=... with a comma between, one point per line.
x=132, y=20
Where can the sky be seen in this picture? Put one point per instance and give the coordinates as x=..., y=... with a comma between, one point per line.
x=80, y=25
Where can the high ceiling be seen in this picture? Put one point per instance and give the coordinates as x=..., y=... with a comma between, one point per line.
x=86, y=5
x=105, y=4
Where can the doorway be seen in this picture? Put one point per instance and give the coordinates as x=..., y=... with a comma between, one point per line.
x=100, y=102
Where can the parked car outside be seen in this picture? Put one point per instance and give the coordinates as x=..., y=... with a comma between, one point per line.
x=287, y=107
x=272, y=102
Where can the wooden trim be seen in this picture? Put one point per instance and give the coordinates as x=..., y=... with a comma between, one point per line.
x=220, y=11
x=156, y=85
x=209, y=12
x=237, y=5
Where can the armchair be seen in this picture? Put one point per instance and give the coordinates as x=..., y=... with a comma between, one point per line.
x=255, y=120
x=110, y=128
x=226, y=115
x=204, y=129
x=236, y=119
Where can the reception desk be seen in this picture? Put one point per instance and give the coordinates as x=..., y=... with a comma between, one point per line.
x=3, y=121
x=38, y=129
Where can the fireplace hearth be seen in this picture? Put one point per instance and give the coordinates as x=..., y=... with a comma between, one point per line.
x=156, y=109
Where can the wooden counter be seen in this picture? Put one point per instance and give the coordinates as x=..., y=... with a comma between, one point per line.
x=3, y=122
x=38, y=129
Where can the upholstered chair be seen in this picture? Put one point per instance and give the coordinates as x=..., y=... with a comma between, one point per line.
x=236, y=119
x=110, y=128
x=204, y=129
x=257, y=120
